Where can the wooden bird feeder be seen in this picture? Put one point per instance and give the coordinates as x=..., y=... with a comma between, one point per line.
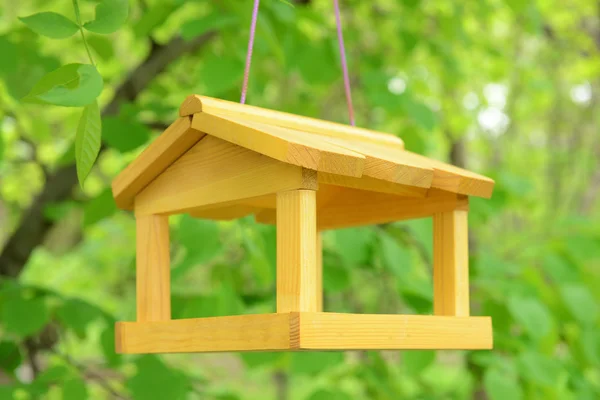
x=223, y=160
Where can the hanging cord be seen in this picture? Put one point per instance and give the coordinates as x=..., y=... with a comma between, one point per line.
x=249, y=53
x=338, y=22
x=340, y=36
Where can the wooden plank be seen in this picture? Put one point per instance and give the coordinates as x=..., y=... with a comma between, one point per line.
x=353, y=207
x=389, y=164
x=172, y=143
x=226, y=213
x=320, y=293
x=265, y=332
x=333, y=331
x=293, y=147
x=451, y=263
x=296, y=251
x=454, y=179
x=215, y=171
x=153, y=270
x=372, y=184
x=195, y=104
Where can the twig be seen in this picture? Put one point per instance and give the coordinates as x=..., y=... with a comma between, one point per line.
x=98, y=378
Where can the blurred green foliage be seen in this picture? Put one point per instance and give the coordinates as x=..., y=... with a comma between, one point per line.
x=506, y=88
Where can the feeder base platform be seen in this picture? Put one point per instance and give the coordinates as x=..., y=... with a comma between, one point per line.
x=304, y=331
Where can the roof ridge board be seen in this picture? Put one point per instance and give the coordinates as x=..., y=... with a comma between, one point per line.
x=194, y=104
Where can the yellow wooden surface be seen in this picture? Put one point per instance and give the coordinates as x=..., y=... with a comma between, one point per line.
x=195, y=104
x=165, y=149
x=231, y=333
x=319, y=307
x=215, y=171
x=352, y=207
x=294, y=147
x=304, y=331
x=333, y=331
x=225, y=213
x=296, y=251
x=153, y=270
x=372, y=184
x=451, y=263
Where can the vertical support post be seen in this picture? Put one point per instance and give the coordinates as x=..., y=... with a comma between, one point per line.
x=297, y=251
x=451, y=263
x=319, y=271
x=153, y=274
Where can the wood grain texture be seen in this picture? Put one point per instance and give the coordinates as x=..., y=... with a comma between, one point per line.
x=372, y=184
x=319, y=307
x=287, y=145
x=225, y=213
x=266, y=332
x=195, y=104
x=352, y=207
x=451, y=263
x=163, y=151
x=333, y=331
x=215, y=171
x=304, y=331
x=153, y=270
x=296, y=251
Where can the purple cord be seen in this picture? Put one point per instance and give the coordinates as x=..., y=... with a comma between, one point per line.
x=342, y=56
x=249, y=54
x=344, y=62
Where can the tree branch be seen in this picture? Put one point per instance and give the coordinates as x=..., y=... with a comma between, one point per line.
x=59, y=185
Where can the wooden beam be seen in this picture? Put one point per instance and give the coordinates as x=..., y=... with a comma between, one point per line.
x=195, y=104
x=371, y=184
x=172, y=143
x=304, y=331
x=293, y=147
x=451, y=263
x=352, y=207
x=320, y=293
x=333, y=331
x=215, y=171
x=267, y=332
x=296, y=251
x=153, y=270
x=226, y=213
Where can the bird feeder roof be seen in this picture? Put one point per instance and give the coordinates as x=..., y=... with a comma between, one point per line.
x=342, y=155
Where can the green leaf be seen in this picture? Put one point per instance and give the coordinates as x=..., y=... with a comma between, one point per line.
x=25, y=317
x=200, y=238
x=50, y=24
x=501, y=386
x=581, y=303
x=77, y=315
x=10, y=356
x=532, y=315
x=414, y=362
x=99, y=208
x=72, y=85
x=336, y=277
x=155, y=381
x=110, y=16
x=539, y=368
x=259, y=359
x=419, y=112
x=102, y=45
x=315, y=362
x=124, y=135
x=87, y=141
x=215, y=21
x=107, y=343
x=74, y=389
x=221, y=74
x=326, y=394
x=354, y=245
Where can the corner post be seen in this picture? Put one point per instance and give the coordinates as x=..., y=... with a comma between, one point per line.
x=451, y=263
x=297, y=270
x=153, y=275
x=319, y=272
